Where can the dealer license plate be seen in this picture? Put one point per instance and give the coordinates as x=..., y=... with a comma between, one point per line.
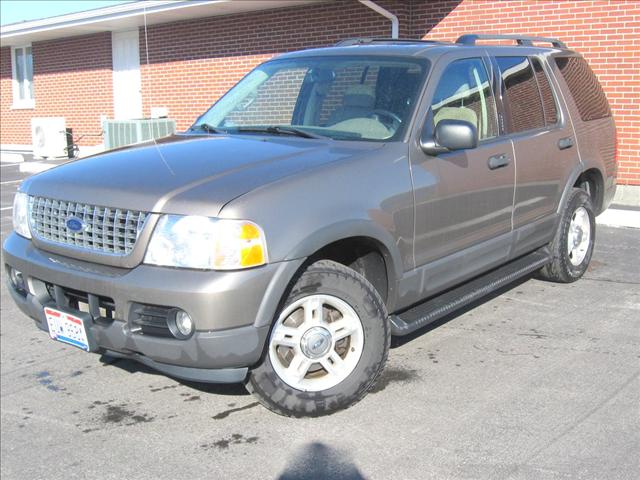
x=66, y=328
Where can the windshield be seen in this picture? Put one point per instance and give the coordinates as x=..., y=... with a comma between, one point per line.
x=344, y=98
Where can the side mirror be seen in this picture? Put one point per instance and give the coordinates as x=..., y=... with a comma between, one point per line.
x=450, y=135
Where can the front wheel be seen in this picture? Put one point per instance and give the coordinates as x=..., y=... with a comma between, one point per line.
x=327, y=346
x=573, y=244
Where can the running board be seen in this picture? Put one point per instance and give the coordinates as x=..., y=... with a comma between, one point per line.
x=434, y=309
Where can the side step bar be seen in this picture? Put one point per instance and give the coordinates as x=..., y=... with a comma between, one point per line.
x=428, y=312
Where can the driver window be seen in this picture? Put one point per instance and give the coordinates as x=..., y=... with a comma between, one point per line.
x=464, y=93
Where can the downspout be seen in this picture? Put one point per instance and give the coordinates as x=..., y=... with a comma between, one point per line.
x=395, y=26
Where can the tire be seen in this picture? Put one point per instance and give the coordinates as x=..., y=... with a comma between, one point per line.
x=569, y=264
x=298, y=343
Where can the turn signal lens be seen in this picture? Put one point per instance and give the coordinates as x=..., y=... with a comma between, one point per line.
x=239, y=244
x=249, y=231
x=252, y=256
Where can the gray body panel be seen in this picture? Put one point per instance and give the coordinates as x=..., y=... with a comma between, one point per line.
x=229, y=309
x=438, y=221
x=186, y=174
x=459, y=201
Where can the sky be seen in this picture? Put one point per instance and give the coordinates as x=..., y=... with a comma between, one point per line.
x=12, y=11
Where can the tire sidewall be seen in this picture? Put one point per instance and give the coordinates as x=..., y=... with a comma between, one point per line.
x=368, y=306
x=578, y=199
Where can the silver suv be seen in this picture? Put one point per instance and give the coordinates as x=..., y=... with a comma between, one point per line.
x=332, y=198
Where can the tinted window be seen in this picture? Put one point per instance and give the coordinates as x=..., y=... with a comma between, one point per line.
x=548, y=101
x=521, y=93
x=584, y=87
x=345, y=98
x=464, y=93
x=271, y=104
x=364, y=89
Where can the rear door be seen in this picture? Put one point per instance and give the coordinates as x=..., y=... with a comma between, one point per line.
x=543, y=140
x=465, y=197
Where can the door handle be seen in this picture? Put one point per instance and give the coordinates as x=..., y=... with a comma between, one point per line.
x=565, y=143
x=498, y=161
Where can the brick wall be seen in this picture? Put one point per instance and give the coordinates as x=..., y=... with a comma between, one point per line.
x=192, y=63
x=72, y=79
x=607, y=33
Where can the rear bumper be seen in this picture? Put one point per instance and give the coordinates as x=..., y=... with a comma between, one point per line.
x=609, y=192
x=232, y=311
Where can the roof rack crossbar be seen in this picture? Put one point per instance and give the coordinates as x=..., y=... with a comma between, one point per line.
x=367, y=40
x=471, y=39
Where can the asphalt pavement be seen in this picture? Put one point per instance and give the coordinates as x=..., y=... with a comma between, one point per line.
x=538, y=382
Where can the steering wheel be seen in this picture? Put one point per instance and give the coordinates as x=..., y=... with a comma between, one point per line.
x=395, y=122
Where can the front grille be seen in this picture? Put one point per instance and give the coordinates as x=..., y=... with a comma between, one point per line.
x=100, y=308
x=105, y=230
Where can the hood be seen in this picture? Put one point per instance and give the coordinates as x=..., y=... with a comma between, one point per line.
x=187, y=174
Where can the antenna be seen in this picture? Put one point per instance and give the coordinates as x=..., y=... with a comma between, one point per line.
x=146, y=52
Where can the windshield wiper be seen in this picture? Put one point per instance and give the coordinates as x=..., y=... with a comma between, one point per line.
x=207, y=128
x=280, y=130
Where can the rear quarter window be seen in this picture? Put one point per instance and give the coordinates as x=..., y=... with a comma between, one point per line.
x=522, y=94
x=546, y=93
x=584, y=88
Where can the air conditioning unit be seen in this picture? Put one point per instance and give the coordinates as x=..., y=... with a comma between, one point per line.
x=118, y=133
x=48, y=137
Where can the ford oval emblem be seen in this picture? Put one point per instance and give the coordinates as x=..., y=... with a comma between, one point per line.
x=74, y=224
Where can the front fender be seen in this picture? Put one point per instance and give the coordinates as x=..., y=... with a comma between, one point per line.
x=342, y=230
x=313, y=242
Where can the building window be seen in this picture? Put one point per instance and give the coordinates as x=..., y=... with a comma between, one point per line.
x=22, y=69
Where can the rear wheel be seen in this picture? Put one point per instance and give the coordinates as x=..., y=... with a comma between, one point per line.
x=327, y=346
x=572, y=246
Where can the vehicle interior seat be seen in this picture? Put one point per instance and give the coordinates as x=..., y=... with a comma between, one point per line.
x=456, y=113
x=358, y=102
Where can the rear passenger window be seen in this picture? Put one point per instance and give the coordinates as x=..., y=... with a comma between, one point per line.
x=522, y=94
x=584, y=87
x=464, y=93
x=548, y=101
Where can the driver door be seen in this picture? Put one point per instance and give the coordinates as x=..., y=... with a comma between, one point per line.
x=463, y=198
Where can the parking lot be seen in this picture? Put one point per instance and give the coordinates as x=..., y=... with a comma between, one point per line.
x=540, y=381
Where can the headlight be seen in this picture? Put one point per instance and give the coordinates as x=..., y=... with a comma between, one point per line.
x=206, y=243
x=21, y=214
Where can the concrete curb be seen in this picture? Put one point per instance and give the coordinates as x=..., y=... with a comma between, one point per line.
x=35, y=167
x=627, y=195
x=613, y=217
x=9, y=157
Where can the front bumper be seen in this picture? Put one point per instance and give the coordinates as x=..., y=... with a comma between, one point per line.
x=232, y=311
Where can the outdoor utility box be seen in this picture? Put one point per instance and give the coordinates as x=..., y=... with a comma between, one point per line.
x=118, y=133
x=48, y=137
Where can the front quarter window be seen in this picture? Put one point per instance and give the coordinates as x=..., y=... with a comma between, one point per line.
x=344, y=98
x=464, y=93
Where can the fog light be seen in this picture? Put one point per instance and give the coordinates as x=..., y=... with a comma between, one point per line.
x=183, y=323
x=17, y=280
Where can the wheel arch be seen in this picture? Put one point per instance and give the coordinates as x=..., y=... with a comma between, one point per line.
x=591, y=180
x=326, y=243
x=358, y=244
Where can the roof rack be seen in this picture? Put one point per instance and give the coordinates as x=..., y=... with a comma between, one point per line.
x=522, y=40
x=368, y=40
